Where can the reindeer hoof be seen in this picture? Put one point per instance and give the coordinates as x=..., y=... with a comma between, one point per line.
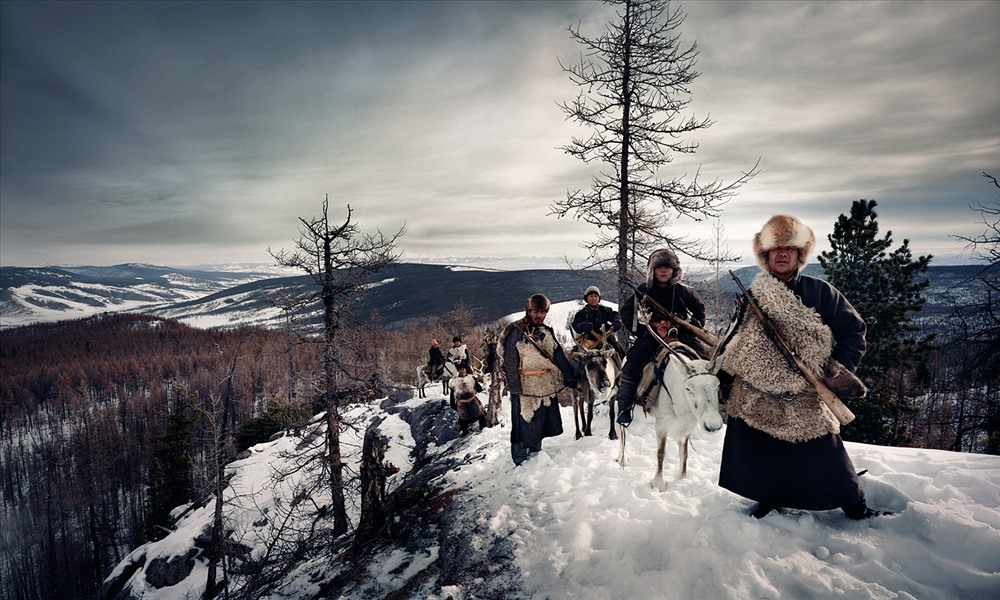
x=658, y=484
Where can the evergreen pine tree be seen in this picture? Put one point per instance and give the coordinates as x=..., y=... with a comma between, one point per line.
x=171, y=474
x=886, y=288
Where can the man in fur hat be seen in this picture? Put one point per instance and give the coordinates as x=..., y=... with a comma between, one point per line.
x=663, y=285
x=783, y=445
x=535, y=369
x=459, y=354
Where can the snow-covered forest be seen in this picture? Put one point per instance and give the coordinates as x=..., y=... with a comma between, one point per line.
x=570, y=523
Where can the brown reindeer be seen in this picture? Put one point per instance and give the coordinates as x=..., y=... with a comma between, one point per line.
x=598, y=382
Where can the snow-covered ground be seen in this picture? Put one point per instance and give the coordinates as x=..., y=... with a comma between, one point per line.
x=581, y=527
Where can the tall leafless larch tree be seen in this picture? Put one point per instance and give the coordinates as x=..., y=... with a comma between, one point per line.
x=634, y=81
x=339, y=258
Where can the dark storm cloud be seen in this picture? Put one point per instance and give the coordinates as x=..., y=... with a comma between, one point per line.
x=172, y=132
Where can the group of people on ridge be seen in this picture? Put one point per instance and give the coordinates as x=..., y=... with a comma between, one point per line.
x=782, y=446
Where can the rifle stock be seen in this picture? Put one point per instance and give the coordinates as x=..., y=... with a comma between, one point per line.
x=826, y=395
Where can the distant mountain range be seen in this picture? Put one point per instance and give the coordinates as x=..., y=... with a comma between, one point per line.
x=404, y=293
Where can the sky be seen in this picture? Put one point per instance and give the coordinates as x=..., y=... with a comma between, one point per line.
x=198, y=133
x=579, y=527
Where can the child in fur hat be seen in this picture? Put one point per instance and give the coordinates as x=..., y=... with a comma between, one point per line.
x=663, y=284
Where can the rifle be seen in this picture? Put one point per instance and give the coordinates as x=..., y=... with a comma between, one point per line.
x=698, y=332
x=838, y=408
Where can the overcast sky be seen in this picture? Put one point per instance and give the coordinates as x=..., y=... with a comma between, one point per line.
x=189, y=133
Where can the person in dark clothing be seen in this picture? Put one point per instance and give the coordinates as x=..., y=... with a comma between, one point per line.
x=595, y=316
x=663, y=285
x=465, y=402
x=595, y=323
x=783, y=446
x=435, y=361
x=535, y=369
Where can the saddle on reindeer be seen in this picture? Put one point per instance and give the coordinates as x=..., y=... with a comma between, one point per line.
x=679, y=387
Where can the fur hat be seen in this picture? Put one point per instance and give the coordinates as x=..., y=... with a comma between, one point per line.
x=663, y=258
x=537, y=302
x=457, y=338
x=591, y=290
x=783, y=230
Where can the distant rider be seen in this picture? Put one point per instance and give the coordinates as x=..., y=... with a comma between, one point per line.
x=435, y=362
x=663, y=284
x=459, y=354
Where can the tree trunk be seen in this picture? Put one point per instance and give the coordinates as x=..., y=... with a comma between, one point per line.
x=493, y=407
x=373, y=476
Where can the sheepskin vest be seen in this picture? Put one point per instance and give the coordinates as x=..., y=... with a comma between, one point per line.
x=767, y=393
x=465, y=387
x=541, y=379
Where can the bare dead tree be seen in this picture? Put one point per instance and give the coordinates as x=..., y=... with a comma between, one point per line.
x=374, y=471
x=635, y=80
x=339, y=258
x=976, y=324
x=222, y=453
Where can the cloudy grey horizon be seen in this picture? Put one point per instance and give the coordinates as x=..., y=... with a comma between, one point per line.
x=195, y=133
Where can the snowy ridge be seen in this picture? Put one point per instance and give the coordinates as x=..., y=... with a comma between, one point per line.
x=570, y=524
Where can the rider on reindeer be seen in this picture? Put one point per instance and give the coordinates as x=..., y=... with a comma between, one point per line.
x=663, y=276
x=595, y=321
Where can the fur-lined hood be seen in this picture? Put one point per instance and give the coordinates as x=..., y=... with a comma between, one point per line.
x=663, y=258
x=784, y=230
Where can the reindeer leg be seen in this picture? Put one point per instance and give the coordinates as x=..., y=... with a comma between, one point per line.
x=577, y=414
x=612, y=433
x=590, y=411
x=682, y=449
x=661, y=451
x=622, y=460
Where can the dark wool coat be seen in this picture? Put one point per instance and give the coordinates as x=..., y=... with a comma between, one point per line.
x=590, y=319
x=534, y=415
x=675, y=297
x=782, y=448
x=435, y=357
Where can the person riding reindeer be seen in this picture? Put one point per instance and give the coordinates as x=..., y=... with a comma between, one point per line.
x=435, y=361
x=663, y=287
x=594, y=322
x=459, y=354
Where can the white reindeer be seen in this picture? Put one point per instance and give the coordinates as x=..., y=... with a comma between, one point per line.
x=689, y=397
x=424, y=377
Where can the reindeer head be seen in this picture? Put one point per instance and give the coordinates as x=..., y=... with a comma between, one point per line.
x=701, y=388
x=595, y=366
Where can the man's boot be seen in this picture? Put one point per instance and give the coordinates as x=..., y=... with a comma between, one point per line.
x=626, y=399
